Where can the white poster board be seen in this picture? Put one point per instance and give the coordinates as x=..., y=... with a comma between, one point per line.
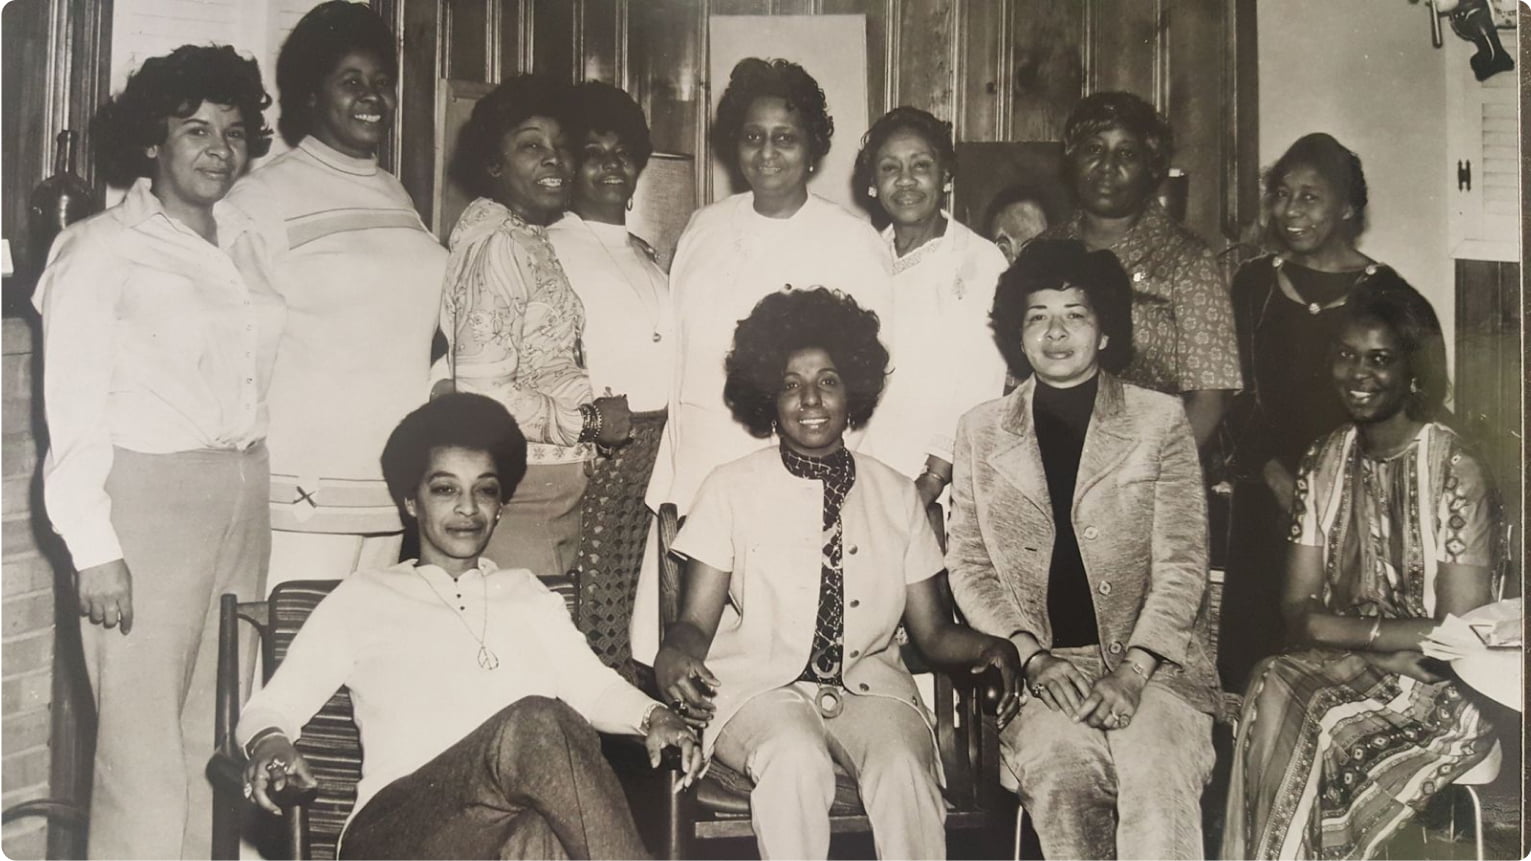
x=833, y=50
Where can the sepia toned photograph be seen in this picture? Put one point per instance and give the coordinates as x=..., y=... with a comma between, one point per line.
x=477, y=429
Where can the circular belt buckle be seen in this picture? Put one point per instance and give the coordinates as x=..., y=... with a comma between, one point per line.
x=830, y=701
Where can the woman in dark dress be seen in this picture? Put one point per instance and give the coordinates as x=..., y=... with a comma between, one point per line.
x=1287, y=309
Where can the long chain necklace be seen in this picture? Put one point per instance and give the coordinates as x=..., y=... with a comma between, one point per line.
x=487, y=659
x=649, y=299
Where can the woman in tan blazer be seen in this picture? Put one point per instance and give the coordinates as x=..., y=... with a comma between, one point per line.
x=1103, y=598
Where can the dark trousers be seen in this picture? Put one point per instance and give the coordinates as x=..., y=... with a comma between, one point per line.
x=1251, y=627
x=530, y=782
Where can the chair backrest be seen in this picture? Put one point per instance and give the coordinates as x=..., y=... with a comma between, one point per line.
x=330, y=741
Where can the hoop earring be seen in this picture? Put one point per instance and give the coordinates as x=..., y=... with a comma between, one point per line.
x=629, y=204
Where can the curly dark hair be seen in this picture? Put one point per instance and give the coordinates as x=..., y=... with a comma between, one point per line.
x=506, y=106
x=1387, y=299
x=754, y=78
x=176, y=85
x=600, y=108
x=792, y=320
x=1058, y=264
x=1101, y=111
x=318, y=42
x=458, y=420
x=1339, y=166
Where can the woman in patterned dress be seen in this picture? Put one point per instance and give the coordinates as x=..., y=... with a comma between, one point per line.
x=513, y=322
x=1394, y=525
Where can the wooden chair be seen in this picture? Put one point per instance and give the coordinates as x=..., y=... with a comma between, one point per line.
x=718, y=806
x=311, y=821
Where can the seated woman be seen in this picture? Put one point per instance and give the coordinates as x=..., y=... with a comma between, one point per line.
x=474, y=692
x=1394, y=525
x=803, y=560
x=514, y=324
x=1079, y=532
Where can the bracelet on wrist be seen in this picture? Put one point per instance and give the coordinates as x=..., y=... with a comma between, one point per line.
x=648, y=717
x=259, y=737
x=1026, y=664
x=591, y=422
x=1375, y=632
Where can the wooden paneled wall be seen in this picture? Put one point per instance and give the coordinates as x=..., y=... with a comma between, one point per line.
x=998, y=69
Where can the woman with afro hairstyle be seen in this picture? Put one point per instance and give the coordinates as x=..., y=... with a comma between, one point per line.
x=943, y=286
x=802, y=562
x=773, y=127
x=160, y=324
x=1079, y=532
x=361, y=276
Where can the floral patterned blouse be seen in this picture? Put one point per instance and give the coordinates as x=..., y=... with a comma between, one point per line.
x=514, y=324
x=1182, y=321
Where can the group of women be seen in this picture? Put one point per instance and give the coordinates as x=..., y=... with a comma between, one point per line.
x=226, y=356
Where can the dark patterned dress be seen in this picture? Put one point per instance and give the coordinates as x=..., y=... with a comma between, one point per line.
x=1353, y=752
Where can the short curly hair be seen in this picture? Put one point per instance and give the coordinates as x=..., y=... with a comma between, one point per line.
x=1058, y=264
x=936, y=132
x=457, y=420
x=1101, y=111
x=754, y=78
x=176, y=85
x=495, y=115
x=1388, y=299
x=317, y=43
x=599, y=108
x=1339, y=166
x=791, y=320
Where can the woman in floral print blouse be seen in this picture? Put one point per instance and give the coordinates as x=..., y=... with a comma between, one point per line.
x=513, y=322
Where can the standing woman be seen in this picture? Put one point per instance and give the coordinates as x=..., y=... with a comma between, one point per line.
x=629, y=346
x=1116, y=151
x=1288, y=308
x=1394, y=526
x=773, y=126
x=1079, y=531
x=943, y=287
x=361, y=276
x=513, y=323
x=159, y=329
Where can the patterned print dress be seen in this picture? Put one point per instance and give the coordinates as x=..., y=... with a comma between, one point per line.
x=1349, y=752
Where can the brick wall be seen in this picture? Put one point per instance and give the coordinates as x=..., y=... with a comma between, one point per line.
x=26, y=605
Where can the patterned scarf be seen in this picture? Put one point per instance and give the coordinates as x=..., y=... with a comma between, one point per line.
x=838, y=473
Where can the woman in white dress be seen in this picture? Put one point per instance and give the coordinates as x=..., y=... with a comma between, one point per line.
x=774, y=125
x=944, y=358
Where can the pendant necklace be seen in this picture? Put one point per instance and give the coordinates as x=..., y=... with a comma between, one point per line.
x=650, y=302
x=487, y=659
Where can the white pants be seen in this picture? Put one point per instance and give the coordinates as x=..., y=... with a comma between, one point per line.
x=788, y=749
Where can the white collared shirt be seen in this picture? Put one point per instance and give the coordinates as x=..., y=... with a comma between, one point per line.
x=154, y=340
x=629, y=335
x=405, y=641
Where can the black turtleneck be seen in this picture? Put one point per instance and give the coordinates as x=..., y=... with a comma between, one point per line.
x=1062, y=416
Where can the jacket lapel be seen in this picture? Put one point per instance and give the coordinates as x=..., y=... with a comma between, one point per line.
x=1109, y=438
x=1016, y=457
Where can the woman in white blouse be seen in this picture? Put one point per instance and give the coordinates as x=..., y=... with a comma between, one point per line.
x=629, y=347
x=160, y=327
x=773, y=126
x=944, y=358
